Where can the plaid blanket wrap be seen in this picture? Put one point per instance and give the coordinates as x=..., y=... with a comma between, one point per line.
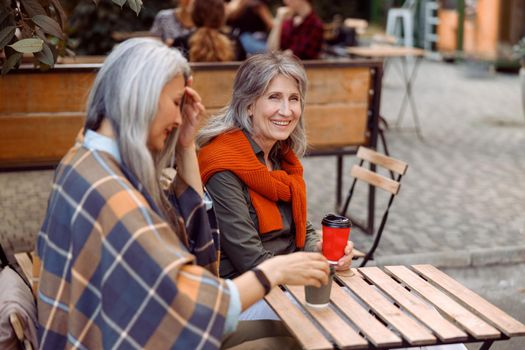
x=114, y=275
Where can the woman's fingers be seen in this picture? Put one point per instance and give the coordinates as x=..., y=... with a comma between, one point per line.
x=191, y=93
x=318, y=267
x=349, y=247
x=299, y=268
x=344, y=263
x=193, y=107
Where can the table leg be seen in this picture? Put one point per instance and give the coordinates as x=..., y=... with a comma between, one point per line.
x=403, y=74
x=339, y=183
x=486, y=345
x=409, y=97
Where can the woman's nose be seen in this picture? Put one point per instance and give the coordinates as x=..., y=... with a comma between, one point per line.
x=285, y=108
x=177, y=118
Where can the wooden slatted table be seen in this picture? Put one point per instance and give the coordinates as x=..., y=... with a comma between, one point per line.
x=393, y=307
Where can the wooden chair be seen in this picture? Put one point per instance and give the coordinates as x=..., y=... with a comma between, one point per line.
x=16, y=321
x=18, y=326
x=30, y=265
x=397, y=169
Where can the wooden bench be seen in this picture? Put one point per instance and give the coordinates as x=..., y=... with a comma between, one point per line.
x=42, y=112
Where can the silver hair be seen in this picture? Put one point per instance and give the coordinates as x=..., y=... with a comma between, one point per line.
x=251, y=82
x=126, y=91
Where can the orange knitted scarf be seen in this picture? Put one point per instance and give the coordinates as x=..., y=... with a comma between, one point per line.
x=232, y=151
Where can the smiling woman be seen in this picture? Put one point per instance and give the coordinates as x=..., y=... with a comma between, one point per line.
x=249, y=162
x=275, y=114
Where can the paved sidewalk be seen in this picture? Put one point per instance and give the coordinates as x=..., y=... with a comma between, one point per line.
x=462, y=201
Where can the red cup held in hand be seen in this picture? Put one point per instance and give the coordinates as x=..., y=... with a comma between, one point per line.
x=336, y=231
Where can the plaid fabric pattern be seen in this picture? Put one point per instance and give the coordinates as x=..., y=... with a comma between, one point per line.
x=115, y=276
x=306, y=39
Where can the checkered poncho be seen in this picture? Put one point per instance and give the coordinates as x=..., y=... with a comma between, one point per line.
x=114, y=274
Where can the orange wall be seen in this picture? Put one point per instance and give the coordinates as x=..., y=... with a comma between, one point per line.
x=480, y=36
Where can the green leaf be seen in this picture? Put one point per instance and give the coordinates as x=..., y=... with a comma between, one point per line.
x=119, y=2
x=60, y=10
x=11, y=62
x=28, y=45
x=33, y=7
x=39, y=33
x=48, y=25
x=135, y=5
x=6, y=35
x=45, y=56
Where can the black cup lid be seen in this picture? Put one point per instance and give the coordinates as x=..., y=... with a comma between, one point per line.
x=333, y=220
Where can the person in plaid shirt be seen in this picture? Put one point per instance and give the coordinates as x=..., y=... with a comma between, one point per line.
x=125, y=265
x=297, y=29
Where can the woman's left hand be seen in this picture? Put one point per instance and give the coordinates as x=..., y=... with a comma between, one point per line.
x=345, y=261
x=192, y=112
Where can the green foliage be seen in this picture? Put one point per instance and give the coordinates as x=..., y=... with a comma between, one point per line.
x=87, y=29
x=37, y=27
x=90, y=26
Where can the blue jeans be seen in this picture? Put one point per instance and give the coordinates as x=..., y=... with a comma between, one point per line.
x=252, y=44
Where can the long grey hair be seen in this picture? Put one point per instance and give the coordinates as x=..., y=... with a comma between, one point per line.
x=251, y=82
x=126, y=91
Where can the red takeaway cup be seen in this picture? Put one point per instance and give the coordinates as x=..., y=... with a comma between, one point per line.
x=336, y=231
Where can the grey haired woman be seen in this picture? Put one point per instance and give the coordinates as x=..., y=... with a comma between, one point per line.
x=249, y=162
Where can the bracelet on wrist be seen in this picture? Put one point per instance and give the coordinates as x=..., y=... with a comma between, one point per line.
x=263, y=280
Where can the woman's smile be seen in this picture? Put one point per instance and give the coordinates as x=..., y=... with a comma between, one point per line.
x=276, y=113
x=281, y=122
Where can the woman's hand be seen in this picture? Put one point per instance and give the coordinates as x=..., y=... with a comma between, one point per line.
x=345, y=261
x=300, y=268
x=284, y=13
x=186, y=157
x=192, y=111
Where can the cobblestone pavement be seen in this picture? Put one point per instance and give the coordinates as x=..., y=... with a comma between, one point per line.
x=464, y=192
x=465, y=186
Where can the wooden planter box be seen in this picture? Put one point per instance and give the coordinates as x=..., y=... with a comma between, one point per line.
x=42, y=112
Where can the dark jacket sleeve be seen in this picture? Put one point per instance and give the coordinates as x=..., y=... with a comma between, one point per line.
x=239, y=236
x=312, y=237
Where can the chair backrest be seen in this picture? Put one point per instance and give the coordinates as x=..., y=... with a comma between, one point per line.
x=372, y=178
x=30, y=265
x=397, y=169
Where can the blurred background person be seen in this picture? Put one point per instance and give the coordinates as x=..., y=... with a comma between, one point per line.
x=297, y=29
x=251, y=21
x=172, y=23
x=208, y=42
